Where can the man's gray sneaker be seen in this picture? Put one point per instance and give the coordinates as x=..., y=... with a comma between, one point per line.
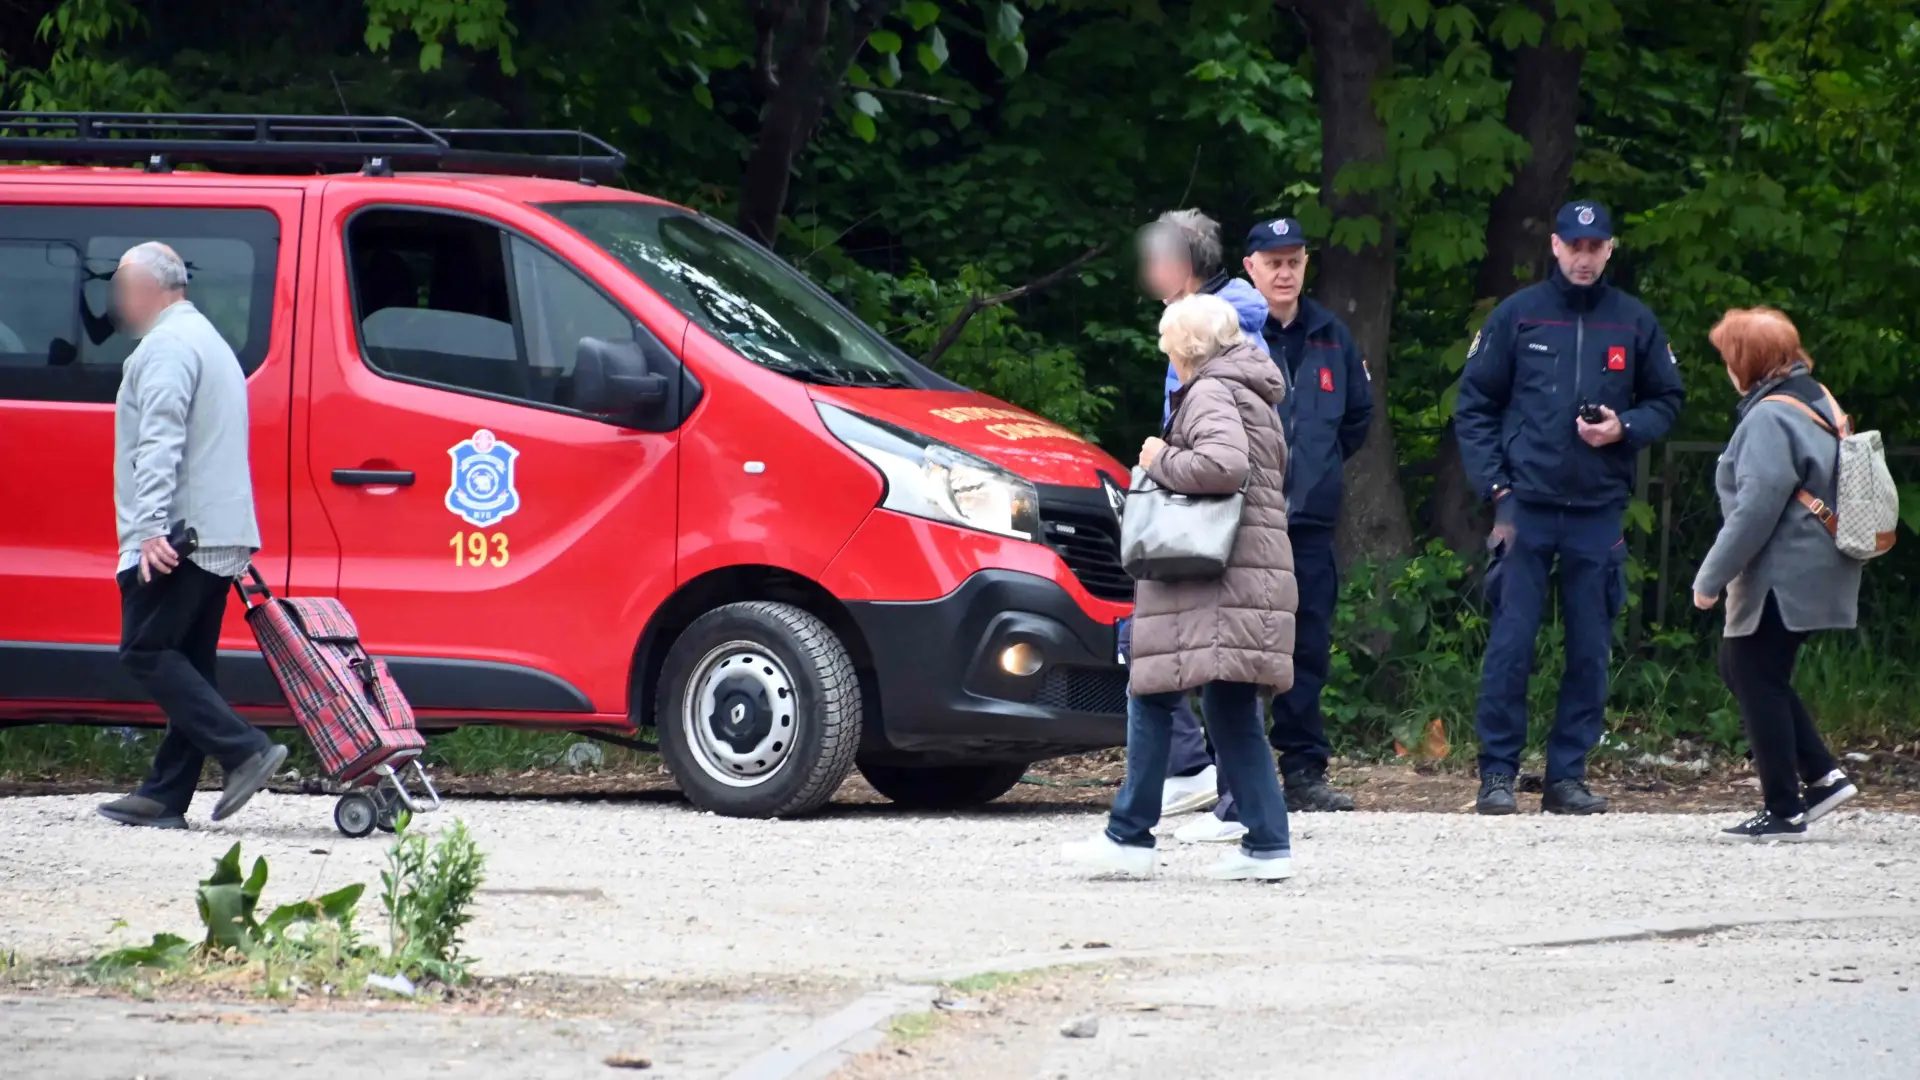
x=1571, y=797
x=248, y=779
x=1496, y=795
x=140, y=810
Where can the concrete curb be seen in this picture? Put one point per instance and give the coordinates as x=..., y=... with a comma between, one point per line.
x=830, y=1043
x=815, y=1053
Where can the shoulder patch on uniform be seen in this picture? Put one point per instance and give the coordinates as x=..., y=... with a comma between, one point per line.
x=1673, y=357
x=1365, y=370
x=1474, y=349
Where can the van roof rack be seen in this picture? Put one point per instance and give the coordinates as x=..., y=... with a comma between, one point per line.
x=375, y=145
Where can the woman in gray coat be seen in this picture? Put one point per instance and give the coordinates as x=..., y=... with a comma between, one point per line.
x=1782, y=573
x=1228, y=637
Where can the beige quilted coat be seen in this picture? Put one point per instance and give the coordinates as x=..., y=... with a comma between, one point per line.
x=1238, y=628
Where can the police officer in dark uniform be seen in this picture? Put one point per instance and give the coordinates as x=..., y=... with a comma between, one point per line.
x=1328, y=408
x=1566, y=382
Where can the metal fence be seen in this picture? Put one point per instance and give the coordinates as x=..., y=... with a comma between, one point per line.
x=1676, y=483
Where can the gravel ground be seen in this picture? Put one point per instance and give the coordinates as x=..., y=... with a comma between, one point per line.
x=869, y=895
x=649, y=890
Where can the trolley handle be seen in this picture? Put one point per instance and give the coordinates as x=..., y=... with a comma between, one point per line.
x=252, y=586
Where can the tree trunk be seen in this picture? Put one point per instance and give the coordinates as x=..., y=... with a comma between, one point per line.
x=808, y=77
x=1352, y=53
x=1543, y=106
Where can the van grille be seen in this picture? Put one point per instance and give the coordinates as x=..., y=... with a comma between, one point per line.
x=1084, y=690
x=1087, y=537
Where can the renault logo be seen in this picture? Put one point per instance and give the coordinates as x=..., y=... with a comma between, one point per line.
x=1116, y=498
x=738, y=713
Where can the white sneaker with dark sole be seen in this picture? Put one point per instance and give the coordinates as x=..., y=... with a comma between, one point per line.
x=1104, y=858
x=1207, y=829
x=1187, y=794
x=1241, y=866
x=1833, y=791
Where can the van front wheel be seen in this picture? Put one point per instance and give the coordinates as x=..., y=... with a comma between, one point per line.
x=759, y=712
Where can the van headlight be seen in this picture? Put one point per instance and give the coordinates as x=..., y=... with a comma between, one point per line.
x=930, y=479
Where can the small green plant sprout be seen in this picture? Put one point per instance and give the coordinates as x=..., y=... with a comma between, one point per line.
x=428, y=893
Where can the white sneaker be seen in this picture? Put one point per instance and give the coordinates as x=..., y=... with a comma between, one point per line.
x=1241, y=866
x=1208, y=829
x=1187, y=794
x=1108, y=859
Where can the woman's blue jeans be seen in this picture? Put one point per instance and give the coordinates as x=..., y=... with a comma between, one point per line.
x=1231, y=712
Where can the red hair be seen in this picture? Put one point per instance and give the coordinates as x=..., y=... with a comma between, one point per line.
x=1757, y=344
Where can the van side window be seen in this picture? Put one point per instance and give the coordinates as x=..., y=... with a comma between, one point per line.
x=463, y=305
x=58, y=337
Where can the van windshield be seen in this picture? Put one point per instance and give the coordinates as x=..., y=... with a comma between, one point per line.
x=739, y=293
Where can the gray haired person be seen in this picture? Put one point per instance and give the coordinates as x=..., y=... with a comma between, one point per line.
x=180, y=462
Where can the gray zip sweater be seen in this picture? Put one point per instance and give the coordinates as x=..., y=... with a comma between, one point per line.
x=1769, y=543
x=180, y=442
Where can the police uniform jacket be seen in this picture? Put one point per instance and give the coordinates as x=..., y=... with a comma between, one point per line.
x=1544, y=352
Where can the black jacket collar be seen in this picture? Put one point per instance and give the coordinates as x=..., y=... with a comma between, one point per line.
x=1578, y=297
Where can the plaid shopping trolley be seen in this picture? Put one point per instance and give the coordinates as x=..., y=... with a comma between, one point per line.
x=348, y=704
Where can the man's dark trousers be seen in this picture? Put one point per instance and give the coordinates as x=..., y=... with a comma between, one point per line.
x=1592, y=563
x=1299, y=729
x=169, y=638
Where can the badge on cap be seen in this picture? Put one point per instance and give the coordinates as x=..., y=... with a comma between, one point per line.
x=1280, y=227
x=1617, y=358
x=1585, y=215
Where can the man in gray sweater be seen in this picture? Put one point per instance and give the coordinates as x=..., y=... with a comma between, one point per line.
x=180, y=463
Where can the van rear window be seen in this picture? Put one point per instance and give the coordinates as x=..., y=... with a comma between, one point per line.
x=59, y=340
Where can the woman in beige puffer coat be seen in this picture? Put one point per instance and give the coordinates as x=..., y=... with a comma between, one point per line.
x=1229, y=637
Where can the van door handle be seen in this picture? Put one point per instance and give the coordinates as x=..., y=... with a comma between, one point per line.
x=373, y=477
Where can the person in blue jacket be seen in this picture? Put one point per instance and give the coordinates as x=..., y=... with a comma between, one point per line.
x=1180, y=256
x=1563, y=386
x=1328, y=410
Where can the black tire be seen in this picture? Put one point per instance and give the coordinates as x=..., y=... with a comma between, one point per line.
x=943, y=787
x=824, y=714
x=355, y=814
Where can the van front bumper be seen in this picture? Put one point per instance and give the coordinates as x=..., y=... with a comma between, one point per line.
x=944, y=694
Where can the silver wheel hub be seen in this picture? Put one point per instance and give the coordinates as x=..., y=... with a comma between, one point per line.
x=741, y=714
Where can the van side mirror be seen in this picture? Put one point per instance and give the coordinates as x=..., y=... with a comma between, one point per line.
x=610, y=378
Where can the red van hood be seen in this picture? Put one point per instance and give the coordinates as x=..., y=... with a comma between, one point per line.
x=1030, y=445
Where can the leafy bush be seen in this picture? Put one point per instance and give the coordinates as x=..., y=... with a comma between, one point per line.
x=428, y=893
x=314, y=943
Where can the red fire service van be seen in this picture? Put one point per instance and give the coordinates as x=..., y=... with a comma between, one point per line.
x=574, y=458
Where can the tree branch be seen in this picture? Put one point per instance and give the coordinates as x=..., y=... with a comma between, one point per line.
x=977, y=303
x=911, y=95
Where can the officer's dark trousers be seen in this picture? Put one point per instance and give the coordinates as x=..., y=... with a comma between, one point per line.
x=1299, y=730
x=169, y=636
x=1591, y=557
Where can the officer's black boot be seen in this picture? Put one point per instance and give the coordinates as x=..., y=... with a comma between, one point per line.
x=1571, y=797
x=1308, y=792
x=1496, y=795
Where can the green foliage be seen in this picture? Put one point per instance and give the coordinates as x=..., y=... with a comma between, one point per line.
x=428, y=893
x=478, y=25
x=227, y=903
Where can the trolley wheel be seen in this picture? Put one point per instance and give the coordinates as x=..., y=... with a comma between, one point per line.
x=393, y=816
x=355, y=814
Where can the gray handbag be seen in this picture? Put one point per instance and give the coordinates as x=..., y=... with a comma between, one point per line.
x=1167, y=536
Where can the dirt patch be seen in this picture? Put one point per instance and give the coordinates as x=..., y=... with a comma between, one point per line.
x=527, y=997
x=1889, y=780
